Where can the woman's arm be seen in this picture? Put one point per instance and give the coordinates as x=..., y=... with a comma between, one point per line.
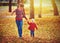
x=13, y=12
x=28, y=22
x=24, y=14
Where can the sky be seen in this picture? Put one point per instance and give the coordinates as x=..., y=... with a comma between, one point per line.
x=44, y=2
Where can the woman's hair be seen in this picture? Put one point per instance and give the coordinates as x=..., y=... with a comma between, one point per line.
x=21, y=5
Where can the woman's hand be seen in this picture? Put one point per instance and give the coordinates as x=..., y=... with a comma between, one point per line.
x=12, y=13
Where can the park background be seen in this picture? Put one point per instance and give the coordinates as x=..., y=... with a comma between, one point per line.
x=47, y=17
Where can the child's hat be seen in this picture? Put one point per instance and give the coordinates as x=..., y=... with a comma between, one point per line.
x=32, y=20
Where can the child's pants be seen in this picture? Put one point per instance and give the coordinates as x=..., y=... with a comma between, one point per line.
x=19, y=25
x=32, y=33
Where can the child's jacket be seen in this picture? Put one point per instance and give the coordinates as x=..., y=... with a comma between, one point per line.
x=32, y=26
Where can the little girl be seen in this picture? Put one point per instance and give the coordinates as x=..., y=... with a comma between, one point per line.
x=32, y=27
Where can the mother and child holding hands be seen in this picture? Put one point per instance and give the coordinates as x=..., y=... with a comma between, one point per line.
x=20, y=14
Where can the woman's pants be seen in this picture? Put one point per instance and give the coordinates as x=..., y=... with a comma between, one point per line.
x=19, y=25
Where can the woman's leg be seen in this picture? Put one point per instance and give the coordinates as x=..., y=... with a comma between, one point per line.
x=20, y=28
x=19, y=25
x=17, y=22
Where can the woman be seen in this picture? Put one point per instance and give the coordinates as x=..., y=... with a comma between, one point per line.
x=20, y=14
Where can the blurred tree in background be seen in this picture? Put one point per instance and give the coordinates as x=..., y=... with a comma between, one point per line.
x=31, y=8
x=10, y=5
x=56, y=13
x=40, y=12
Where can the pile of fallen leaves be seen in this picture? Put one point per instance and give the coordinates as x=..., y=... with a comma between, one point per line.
x=48, y=30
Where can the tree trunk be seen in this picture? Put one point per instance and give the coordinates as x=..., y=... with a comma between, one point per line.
x=10, y=5
x=56, y=13
x=18, y=1
x=40, y=12
x=31, y=8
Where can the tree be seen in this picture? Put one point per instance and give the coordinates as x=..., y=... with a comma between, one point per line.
x=10, y=5
x=18, y=1
x=40, y=9
x=56, y=13
x=31, y=8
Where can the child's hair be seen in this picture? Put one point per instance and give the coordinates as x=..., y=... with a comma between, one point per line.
x=32, y=20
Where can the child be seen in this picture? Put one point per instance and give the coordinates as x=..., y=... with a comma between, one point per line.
x=32, y=27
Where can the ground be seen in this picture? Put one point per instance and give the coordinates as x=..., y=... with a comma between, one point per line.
x=48, y=31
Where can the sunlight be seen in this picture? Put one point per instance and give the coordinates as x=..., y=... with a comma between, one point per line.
x=37, y=3
x=45, y=5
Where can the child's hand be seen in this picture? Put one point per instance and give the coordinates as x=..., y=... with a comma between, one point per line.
x=27, y=20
